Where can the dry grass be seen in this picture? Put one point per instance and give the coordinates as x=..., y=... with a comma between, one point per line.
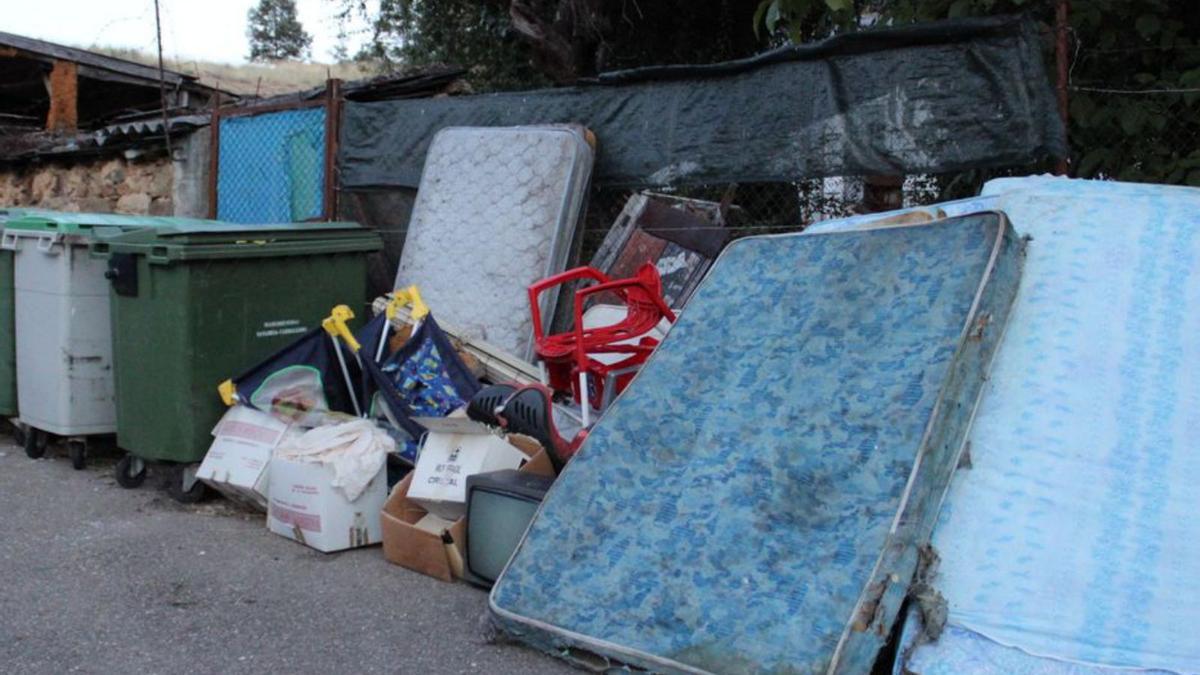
x=263, y=79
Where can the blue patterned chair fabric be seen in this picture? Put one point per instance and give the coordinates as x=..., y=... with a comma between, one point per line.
x=756, y=500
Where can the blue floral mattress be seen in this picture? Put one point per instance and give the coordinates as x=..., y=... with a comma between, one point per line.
x=755, y=501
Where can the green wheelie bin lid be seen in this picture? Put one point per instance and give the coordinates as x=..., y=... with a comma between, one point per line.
x=9, y=213
x=209, y=239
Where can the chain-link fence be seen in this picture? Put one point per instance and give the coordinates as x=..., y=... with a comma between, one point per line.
x=1134, y=115
x=1135, y=112
x=753, y=208
x=773, y=208
x=271, y=165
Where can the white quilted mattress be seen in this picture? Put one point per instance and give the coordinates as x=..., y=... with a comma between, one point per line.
x=497, y=209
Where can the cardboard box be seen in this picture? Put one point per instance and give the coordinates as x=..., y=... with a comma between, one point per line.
x=407, y=540
x=455, y=448
x=305, y=506
x=237, y=462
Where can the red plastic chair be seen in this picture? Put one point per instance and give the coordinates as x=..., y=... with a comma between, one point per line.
x=568, y=356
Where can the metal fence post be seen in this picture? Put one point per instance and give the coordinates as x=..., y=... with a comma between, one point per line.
x=214, y=151
x=1061, y=35
x=333, y=125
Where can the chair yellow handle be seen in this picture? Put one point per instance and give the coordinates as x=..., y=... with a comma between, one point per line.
x=407, y=296
x=335, y=325
x=228, y=392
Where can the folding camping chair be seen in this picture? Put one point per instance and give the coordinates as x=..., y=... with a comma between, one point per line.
x=401, y=297
x=573, y=359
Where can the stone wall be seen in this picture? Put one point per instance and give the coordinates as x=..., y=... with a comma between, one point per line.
x=101, y=185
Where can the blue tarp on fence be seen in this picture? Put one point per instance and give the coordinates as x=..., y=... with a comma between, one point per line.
x=272, y=167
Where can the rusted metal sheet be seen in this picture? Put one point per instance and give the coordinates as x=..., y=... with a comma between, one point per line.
x=680, y=236
x=333, y=110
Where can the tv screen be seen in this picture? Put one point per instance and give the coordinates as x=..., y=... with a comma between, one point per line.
x=500, y=505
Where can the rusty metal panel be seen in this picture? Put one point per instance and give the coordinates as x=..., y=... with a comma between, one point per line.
x=680, y=236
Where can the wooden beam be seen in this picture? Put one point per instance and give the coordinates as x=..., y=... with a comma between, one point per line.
x=63, y=85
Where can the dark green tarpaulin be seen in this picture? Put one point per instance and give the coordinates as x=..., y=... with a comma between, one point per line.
x=937, y=97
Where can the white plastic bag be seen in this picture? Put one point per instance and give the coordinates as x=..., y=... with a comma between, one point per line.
x=356, y=450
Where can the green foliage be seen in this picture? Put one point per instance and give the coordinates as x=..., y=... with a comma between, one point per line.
x=275, y=31
x=674, y=31
x=470, y=33
x=804, y=20
x=1131, y=116
x=1135, y=74
x=581, y=37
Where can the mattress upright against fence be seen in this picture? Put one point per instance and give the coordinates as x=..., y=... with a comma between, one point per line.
x=498, y=209
x=1086, y=471
x=756, y=500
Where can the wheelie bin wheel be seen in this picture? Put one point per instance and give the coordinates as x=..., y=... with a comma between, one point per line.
x=179, y=488
x=131, y=472
x=18, y=434
x=77, y=451
x=35, y=443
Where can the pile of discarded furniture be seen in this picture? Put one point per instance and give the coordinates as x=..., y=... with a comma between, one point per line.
x=771, y=454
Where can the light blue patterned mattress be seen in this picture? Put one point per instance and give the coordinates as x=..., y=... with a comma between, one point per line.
x=755, y=500
x=1074, y=537
x=959, y=651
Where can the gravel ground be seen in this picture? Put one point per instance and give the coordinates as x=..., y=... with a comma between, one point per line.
x=98, y=579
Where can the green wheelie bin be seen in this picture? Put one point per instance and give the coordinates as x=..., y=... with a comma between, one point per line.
x=195, y=304
x=8, y=330
x=8, y=333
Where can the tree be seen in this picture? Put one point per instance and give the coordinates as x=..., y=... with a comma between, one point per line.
x=510, y=44
x=339, y=52
x=275, y=31
x=580, y=38
x=472, y=33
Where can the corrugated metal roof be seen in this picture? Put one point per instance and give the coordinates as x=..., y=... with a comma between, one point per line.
x=149, y=126
x=51, y=50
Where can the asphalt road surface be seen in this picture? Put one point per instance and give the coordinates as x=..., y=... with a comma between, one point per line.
x=97, y=579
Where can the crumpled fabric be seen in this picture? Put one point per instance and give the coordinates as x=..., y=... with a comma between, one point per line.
x=356, y=450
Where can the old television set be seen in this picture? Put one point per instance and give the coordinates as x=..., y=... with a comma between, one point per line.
x=500, y=505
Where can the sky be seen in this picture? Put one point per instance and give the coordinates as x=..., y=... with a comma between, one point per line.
x=206, y=30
